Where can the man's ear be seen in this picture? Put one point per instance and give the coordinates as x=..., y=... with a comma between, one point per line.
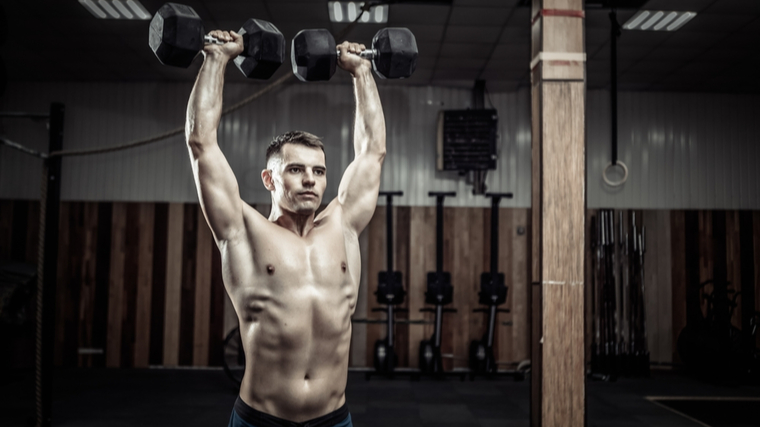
x=266, y=178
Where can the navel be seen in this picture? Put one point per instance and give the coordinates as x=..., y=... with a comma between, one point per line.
x=343, y=266
x=270, y=269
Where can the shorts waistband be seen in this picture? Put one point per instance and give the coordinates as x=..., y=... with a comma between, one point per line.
x=262, y=419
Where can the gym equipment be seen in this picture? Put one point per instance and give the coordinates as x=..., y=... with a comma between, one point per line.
x=710, y=345
x=619, y=345
x=390, y=292
x=439, y=293
x=177, y=35
x=493, y=293
x=314, y=57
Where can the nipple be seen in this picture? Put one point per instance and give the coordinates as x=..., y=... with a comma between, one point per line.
x=270, y=269
x=343, y=266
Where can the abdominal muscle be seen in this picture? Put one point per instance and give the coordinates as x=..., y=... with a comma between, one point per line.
x=296, y=344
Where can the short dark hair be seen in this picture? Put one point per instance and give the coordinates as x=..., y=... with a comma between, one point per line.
x=293, y=137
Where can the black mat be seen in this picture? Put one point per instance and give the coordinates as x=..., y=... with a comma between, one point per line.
x=189, y=398
x=717, y=413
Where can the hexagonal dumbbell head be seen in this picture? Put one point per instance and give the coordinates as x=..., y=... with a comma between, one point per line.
x=396, y=53
x=264, y=49
x=313, y=55
x=176, y=34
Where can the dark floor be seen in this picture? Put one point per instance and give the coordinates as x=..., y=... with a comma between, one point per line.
x=162, y=397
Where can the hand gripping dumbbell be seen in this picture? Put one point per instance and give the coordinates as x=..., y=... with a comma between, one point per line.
x=177, y=35
x=393, y=54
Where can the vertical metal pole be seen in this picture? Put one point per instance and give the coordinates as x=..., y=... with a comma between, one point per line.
x=613, y=83
x=439, y=236
x=47, y=280
x=491, y=324
x=389, y=233
x=438, y=322
x=494, y=238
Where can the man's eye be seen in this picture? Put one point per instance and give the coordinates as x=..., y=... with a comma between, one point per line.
x=319, y=172
x=294, y=170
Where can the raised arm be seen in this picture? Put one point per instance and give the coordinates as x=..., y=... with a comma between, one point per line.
x=359, y=187
x=217, y=187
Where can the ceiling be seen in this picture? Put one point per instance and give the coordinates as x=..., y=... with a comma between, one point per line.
x=718, y=51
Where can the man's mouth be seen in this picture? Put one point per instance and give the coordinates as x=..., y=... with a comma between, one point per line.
x=308, y=193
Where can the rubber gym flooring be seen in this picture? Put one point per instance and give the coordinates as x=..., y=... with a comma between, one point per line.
x=186, y=397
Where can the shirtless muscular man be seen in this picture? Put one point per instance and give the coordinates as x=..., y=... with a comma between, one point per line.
x=293, y=278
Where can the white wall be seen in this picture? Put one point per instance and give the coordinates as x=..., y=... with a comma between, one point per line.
x=683, y=151
x=100, y=115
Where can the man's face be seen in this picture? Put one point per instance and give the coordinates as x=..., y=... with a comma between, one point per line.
x=298, y=178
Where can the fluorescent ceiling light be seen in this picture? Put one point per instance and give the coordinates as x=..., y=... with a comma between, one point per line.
x=123, y=9
x=658, y=20
x=348, y=11
x=116, y=9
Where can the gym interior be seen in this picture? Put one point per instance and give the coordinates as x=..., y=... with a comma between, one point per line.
x=567, y=231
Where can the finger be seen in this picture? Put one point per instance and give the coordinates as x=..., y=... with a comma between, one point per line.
x=343, y=48
x=362, y=47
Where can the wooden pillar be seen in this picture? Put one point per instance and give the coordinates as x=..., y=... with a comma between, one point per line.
x=558, y=205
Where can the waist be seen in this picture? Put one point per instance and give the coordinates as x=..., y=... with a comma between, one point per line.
x=262, y=419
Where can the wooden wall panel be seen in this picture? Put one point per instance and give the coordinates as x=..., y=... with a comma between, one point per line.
x=422, y=241
x=146, y=228
x=375, y=263
x=62, y=279
x=202, y=315
x=678, y=277
x=657, y=284
x=131, y=266
x=173, y=284
x=402, y=222
x=32, y=233
x=159, y=277
x=102, y=282
x=116, y=285
x=187, y=294
x=88, y=287
x=218, y=295
x=453, y=265
x=706, y=245
x=733, y=263
x=121, y=279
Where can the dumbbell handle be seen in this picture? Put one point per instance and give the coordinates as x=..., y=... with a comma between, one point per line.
x=211, y=40
x=366, y=54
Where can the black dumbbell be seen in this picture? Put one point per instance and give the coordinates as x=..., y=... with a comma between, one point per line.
x=177, y=35
x=393, y=54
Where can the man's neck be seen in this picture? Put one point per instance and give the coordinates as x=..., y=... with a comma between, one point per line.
x=299, y=224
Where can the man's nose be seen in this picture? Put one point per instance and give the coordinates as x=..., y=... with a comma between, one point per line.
x=308, y=177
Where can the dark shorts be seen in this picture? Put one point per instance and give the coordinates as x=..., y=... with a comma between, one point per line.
x=245, y=416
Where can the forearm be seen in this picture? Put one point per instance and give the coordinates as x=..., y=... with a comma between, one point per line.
x=204, y=109
x=369, y=126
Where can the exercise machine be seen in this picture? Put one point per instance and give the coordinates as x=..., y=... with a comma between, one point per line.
x=493, y=293
x=390, y=293
x=439, y=293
